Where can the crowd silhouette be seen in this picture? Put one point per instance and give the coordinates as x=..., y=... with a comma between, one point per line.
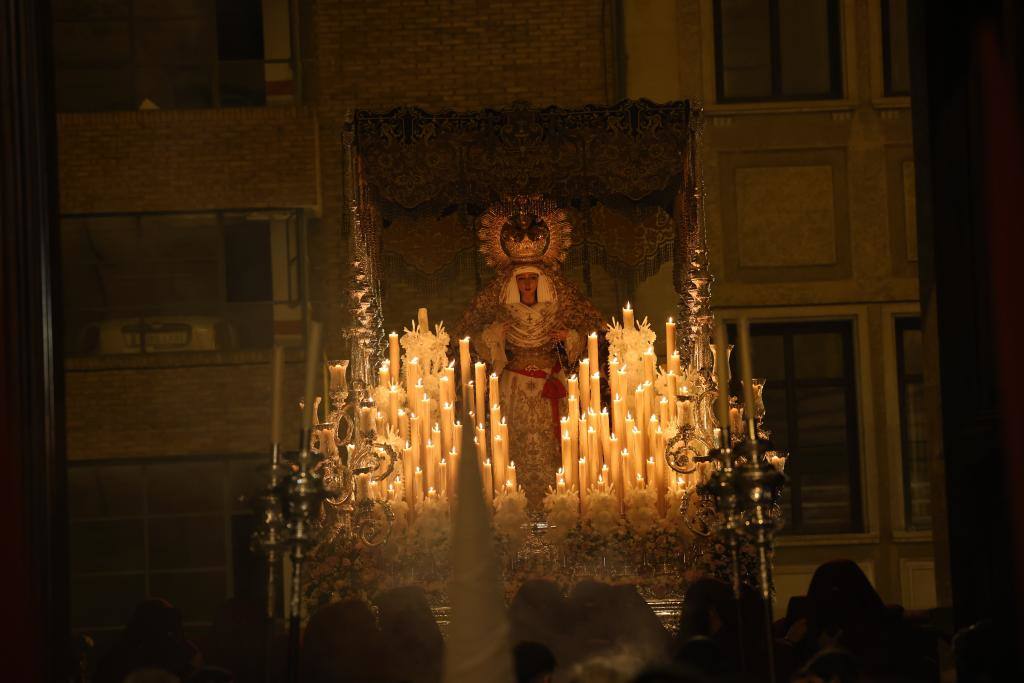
x=840, y=631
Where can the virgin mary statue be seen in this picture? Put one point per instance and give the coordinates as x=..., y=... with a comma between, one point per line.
x=530, y=325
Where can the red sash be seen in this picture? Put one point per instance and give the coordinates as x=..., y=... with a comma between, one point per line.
x=553, y=391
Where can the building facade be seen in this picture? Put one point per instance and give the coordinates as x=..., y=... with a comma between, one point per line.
x=201, y=193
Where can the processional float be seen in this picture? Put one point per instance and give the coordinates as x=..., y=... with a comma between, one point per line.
x=709, y=466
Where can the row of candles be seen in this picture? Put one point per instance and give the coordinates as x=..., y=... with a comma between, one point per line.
x=610, y=448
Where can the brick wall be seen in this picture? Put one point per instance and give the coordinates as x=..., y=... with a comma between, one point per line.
x=186, y=160
x=460, y=54
x=176, y=404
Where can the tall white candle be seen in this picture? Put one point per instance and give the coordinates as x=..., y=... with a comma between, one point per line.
x=393, y=357
x=670, y=339
x=627, y=317
x=592, y=351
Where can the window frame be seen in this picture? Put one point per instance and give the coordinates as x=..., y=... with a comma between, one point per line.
x=294, y=239
x=228, y=512
x=836, y=75
x=901, y=324
x=211, y=59
x=787, y=329
x=885, y=25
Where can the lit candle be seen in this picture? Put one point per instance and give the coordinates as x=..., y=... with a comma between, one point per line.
x=604, y=478
x=426, y=418
x=639, y=405
x=480, y=384
x=488, y=481
x=449, y=378
x=627, y=317
x=619, y=417
x=560, y=485
x=627, y=469
x=674, y=364
x=442, y=479
x=511, y=476
x=613, y=375
x=392, y=406
x=384, y=374
x=418, y=484
x=650, y=363
x=592, y=351
x=670, y=338
x=494, y=397
x=614, y=459
x=403, y=424
x=464, y=370
x=393, y=357
x=573, y=390
x=447, y=426
x=584, y=375
x=453, y=473
x=499, y=460
x=584, y=484
x=412, y=378
x=443, y=390
x=566, y=453
x=481, y=442
x=407, y=470
x=457, y=439
x=595, y=392
x=664, y=412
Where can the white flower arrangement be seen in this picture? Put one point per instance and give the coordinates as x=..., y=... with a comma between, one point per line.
x=400, y=525
x=562, y=513
x=641, y=509
x=430, y=347
x=630, y=345
x=430, y=527
x=510, y=518
x=603, y=512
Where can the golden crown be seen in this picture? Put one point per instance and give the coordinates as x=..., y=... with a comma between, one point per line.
x=524, y=229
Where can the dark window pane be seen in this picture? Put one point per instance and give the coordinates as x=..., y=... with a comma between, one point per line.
x=916, y=475
x=746, y=57
x=186, y=542
x=911, y=349
x=896, y=48
x=92, y=43
x=105, y=600
x=173, y=87
x=821, y=420
x=769, y=358
x=189, y=487
x=818, y=355
x=105, y=491
x=825, y=501
x=196, y=594
x=239, y=29
x=247, y=261
x=173, y=42
x=248, y=478
x=242, y=84
x=804, y=44
x=108, y=546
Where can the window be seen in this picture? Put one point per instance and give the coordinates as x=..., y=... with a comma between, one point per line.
x=895, y=48
x=174, y=530
x=913, y=426
x=777, y=50
x=171, y=54
x=810, y=403
x=143, y=283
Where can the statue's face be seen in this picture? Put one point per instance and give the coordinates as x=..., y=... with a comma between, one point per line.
x=527, y=283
